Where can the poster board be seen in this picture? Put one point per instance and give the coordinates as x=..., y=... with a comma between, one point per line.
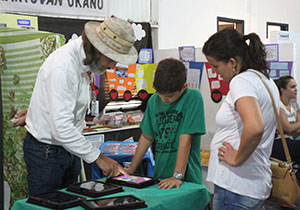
x=210, y=107
x=121, y=81
x=144, y=77
x=289, y=50
x=286, y=54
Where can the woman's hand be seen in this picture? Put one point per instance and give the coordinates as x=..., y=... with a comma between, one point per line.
x=227, y=154
x=169, y=183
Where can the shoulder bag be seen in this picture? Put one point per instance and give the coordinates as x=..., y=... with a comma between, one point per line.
x=285, y=187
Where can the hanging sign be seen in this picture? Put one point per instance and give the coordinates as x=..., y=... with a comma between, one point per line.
x=62, y=8
x=194, y=74
x=18, y=21
x=280, y=68
x=218, y=87
x=144, y=77
x=121, y=81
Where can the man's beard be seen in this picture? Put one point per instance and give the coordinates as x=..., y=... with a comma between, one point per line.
x=97, y=69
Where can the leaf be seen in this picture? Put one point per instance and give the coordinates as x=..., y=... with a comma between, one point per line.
x=16, y=79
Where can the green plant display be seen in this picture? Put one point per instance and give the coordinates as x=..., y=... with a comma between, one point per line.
x=20, y=60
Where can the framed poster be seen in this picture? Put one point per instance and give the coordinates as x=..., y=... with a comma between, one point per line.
x=186, y=53
x=145, y=56
x=272, y=51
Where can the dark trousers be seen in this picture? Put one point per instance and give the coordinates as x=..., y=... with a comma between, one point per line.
x=49, y=167
x=294, y=149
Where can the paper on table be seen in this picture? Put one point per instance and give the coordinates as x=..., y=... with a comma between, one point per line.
x=96, y=140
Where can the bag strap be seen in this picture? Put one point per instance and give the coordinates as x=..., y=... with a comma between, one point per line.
x=284, y=144
x=279, y=162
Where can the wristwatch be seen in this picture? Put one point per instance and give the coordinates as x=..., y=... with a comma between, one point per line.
x=178, y=175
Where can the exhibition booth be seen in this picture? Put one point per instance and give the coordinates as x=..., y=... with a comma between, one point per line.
x=121, y=95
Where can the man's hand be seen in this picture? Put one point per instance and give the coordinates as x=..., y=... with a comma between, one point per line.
x=109, y=166
x=19, y=118
x=169, y=183
x=129, y=170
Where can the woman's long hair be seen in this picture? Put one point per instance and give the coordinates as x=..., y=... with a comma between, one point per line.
x=229, y=43
x=282, y=82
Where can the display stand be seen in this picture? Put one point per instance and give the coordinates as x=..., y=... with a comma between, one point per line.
x=123, y=152
x=114, y=134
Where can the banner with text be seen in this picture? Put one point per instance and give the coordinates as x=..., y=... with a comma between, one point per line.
x=65, y=8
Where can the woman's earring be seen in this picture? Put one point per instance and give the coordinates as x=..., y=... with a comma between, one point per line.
x=233, y=69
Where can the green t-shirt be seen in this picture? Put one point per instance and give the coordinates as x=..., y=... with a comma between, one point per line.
x=166, y=122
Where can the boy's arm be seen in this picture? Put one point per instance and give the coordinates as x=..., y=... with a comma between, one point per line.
x=183, y=153
x=144, y=143
x=181, y=162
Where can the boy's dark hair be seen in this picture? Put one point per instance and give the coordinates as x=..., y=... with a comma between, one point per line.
x=170, y=76
x=229, y=43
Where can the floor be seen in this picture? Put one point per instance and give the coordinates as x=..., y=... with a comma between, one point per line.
x=268, y=206
x=274, y=206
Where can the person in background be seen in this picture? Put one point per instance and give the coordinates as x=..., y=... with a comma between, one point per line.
x=174, y=119
x=289, y=116
x=55, y=118
x=239, y=163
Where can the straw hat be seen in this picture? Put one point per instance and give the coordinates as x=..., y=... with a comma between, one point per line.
x=114, y=38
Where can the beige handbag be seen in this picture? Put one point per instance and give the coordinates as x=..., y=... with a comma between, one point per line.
x=285, y=188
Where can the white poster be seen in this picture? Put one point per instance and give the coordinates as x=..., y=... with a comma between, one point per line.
x=63, y=8
x=272, y=51
x=193, y=78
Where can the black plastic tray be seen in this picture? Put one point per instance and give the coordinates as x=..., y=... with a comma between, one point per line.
x=56, y=200
x=118, y=202
x=94, y=188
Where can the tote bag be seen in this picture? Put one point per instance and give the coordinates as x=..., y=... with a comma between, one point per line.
x=285, y=187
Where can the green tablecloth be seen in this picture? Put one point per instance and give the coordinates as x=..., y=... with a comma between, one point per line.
x=189, y=196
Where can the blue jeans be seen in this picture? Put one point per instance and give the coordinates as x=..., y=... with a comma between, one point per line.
x=227, y=200
x=49, y=167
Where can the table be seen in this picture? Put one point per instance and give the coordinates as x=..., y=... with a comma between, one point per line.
x=188, y=196
x=120, y=129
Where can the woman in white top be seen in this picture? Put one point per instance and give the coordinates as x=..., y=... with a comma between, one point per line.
x=289, y=116
x=239, y=163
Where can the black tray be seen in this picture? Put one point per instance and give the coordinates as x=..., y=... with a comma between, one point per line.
x=118, y=202
x=56, y=200
x=94, y=188
x=132, y=181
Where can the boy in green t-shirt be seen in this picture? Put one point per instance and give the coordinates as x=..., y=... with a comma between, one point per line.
x=174, y=119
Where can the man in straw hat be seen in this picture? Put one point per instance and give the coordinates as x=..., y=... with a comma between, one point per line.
x=54, y=142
